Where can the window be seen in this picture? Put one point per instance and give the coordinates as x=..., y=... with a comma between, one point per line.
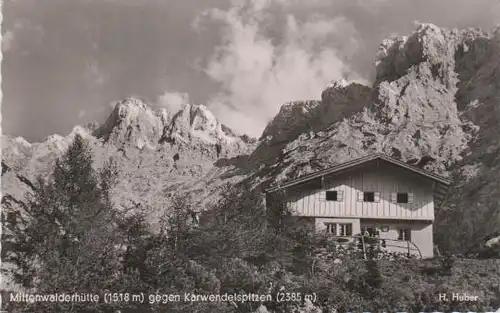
x=339, y=229
x=404, y=234
x=369, y=196
x=331, y=195
x=345, y=230
x=331, y=228
x=402, y=197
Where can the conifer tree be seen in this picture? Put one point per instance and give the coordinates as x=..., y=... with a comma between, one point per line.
x=72, y=240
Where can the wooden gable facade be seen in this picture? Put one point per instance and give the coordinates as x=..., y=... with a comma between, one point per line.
x=375, y=186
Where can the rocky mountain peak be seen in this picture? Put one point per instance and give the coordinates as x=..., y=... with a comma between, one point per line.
x=133, y=122
x=15, y=145
x=337, y=84
x=434, y=104
x=197, y=125
x=290, y=120
x=429, y=46
x=303, y=120
x=412, y=112
x=339, y=99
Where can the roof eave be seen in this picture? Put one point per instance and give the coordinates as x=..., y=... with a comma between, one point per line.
x=352, y=163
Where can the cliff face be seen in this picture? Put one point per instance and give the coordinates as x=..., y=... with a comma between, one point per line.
x=143, y=141
x=473, y=210
x=133, y=123
x=410, y=112
x=465, y=66
x=434, y=104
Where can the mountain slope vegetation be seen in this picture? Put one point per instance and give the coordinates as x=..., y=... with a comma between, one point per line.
x=435, y=103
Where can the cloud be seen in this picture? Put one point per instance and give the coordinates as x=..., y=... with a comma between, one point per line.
x=258, y=73
x=7, y=40
x=94, y=75
x=9, y=37
x=172, y=100
x=283, y=41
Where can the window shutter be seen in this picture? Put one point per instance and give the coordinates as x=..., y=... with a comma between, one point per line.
x=394, y=197
x=322, y=196
x=340, y=195
x=377, y=197
x=411, y=197
x=360, y=196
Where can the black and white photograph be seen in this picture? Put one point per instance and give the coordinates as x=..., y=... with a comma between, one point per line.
x=250, y=156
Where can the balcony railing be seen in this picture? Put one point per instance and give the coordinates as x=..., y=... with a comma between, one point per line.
x=405, y=245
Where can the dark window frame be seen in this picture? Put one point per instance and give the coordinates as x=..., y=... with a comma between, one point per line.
x=333, y=193
x=402, y=197
x=348, y=228
x=368, y=196
x=335, y=228
x=330, y=227
x=404, y=233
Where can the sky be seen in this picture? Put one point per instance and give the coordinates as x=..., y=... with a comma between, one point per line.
x=66, y=62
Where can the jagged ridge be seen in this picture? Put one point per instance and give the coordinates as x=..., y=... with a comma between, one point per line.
x=434, y=103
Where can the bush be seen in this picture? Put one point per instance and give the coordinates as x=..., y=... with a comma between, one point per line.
x=236, y=249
